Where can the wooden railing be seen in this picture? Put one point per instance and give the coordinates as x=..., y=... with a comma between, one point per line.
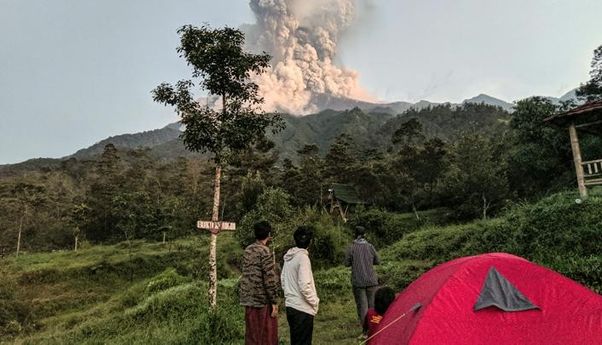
x=592, y=171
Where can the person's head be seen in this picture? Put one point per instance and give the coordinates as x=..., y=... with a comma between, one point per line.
x=382, y=299
x=303, y=236
x=262, y=230
x=359, y=231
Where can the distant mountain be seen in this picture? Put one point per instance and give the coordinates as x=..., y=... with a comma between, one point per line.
x=486, y=99
x=368, y=123
x=148, y=139
x=571, y=95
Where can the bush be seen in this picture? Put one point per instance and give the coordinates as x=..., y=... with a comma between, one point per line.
x=14, y=314
x=556, y=232
x=168, y=279
x=384, y=228
x=398, y=275
x=330, y=240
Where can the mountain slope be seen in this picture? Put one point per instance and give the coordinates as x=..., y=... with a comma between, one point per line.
x=132, y=141
x=486, y=99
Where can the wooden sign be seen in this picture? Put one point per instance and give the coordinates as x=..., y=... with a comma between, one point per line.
x=215, y=227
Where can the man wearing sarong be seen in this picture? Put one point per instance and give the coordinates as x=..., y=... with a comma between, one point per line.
x=259, y=290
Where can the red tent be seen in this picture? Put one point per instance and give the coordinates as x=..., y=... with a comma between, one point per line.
x=492, y=299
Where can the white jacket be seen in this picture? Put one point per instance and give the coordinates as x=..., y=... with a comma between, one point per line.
x=298, y=282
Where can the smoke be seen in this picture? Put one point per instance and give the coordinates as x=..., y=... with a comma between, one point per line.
x=302, y=37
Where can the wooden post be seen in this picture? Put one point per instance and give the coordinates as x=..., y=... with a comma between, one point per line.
x=577, y=161
x=20, y=230
x=213, y=243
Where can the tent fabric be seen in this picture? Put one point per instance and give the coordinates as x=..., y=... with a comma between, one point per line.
x=568, y=313
x=499, y=292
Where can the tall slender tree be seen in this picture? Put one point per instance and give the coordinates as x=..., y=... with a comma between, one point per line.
x=592, y=89
x=225, y=70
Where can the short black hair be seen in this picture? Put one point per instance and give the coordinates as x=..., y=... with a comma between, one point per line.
x=383, y=298
x=360, y=231
x=303, y=236
x=262, y=230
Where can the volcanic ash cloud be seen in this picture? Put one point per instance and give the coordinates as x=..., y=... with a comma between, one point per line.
x=302, y=37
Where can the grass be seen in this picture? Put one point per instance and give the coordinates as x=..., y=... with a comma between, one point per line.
x=91, y=297
x=149, y=293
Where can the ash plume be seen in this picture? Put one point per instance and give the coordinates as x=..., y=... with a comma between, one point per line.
x=302, y=37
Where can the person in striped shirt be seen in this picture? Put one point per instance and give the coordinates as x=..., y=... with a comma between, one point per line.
x=361, y=257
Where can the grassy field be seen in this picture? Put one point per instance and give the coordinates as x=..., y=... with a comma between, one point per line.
x=146, y=293
x=153, y=293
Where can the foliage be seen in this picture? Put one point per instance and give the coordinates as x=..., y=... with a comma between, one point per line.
x=273, y=205
x=384, y=228
x=475, y=181
x=592, y=89
x=555, y=231
x=540, y=158
x=217, y=58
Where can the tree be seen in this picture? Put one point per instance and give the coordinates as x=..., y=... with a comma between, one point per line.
x=307, y=187
x=475, y=180
x=592, y=90
x=410, y=132
x=340, y=160
x=540, y=157
x=217, y=58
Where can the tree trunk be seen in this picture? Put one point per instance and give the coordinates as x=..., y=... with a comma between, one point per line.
x=485, y=206
x=213, y=245
x=163, y=237
x=20, y=230
x=415, y=212
x=76, y=239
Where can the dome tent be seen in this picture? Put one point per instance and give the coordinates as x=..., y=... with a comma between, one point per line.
x=493, y=298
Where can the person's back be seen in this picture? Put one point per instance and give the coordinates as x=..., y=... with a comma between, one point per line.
x=258, y=290
x=297, y=282
x=300, y=295
x=361, y=257
x=254, y=290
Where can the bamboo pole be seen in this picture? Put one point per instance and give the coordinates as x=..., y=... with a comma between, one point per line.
x=577, y=160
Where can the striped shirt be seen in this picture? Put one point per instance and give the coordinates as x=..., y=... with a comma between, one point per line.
x=361, y=256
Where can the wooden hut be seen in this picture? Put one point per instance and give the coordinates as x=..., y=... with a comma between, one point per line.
x=341, y=197
x=586, y=118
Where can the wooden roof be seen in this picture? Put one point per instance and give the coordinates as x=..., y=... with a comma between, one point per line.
x=346, y=193
x=587, y=115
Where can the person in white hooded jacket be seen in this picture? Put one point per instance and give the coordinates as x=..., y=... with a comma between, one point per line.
x=300, y=296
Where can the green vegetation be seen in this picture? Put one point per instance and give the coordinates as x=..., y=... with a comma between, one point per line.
x=154, y=293
x=435, y=184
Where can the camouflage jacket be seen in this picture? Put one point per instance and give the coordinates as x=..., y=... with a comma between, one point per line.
x=259, y=282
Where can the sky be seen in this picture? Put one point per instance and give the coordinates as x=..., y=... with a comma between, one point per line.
x=74, y=72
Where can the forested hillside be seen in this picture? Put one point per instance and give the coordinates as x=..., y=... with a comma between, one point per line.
x=471, y=161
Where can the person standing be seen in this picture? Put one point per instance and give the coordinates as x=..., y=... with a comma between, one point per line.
x=300, y=296
x=361, y=256
x=259, y=290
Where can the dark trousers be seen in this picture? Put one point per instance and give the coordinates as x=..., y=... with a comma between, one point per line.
x=364, y=299
x=301, y=325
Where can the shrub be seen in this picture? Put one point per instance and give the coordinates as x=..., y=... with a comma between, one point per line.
x=556, y=232
x=168, y=279
x=384, y=228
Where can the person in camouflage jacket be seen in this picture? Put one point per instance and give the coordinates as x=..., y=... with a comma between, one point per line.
x=259, y=290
